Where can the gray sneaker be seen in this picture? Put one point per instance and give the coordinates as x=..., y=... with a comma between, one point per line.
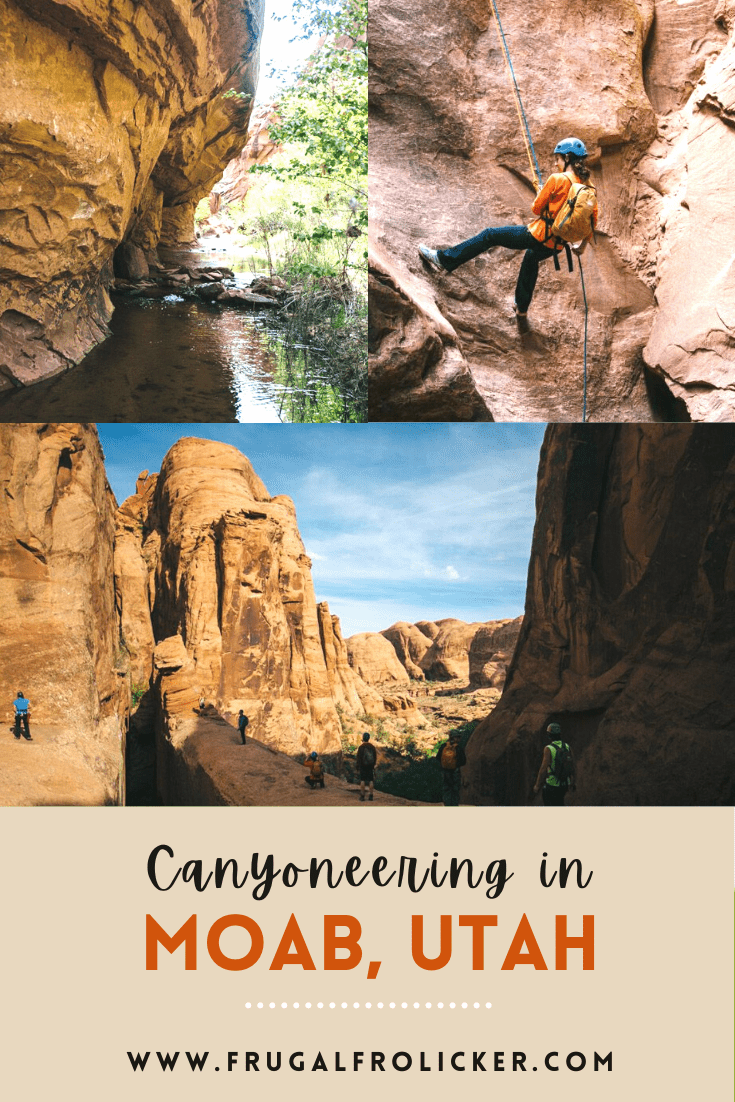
x=431, y=257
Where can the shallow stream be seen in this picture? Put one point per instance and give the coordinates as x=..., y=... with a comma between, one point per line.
x=171, y=359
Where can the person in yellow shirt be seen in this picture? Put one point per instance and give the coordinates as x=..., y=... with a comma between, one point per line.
x=569, y=162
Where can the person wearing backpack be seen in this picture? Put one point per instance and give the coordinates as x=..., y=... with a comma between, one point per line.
x=242, y=722
x=366, y=758
x=557, y=773
x=451, y=759
x=316, y=771
x=555, y=226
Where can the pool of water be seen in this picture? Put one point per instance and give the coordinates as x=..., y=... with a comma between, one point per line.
x=171, y=359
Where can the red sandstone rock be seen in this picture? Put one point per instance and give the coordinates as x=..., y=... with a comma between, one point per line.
x=628, y=638
x=654, y=102
x=448, y=655
x=121, y=116
x=229, y=580
x=491, y=650
x=59, y=640
x=373, y=658
x=410, y=644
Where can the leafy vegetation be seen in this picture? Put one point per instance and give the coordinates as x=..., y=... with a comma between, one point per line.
x=418, y=776
x=137, y=692
x=304, y=219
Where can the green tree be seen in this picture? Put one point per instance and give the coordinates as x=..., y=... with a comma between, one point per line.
x=324, y=113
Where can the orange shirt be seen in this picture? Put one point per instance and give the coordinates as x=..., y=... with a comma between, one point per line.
x=553, y=195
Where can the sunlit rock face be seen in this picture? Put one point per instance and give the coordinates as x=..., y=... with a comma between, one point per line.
x=59, y=639
x=649, y=88
x=628, y=639
x=212, y=566
x=122, y=115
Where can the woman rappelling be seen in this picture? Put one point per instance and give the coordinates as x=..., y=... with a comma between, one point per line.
x=567, y=214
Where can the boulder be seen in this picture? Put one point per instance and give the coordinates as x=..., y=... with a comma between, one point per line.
x=628, y=639
x=236, y=297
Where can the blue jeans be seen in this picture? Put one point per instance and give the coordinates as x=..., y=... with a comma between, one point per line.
x=509, y=237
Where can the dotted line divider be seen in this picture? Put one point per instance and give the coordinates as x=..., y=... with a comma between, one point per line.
x=366, y=1006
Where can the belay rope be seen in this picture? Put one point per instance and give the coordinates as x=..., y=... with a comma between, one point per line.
x=536, y=173
x=586, y=315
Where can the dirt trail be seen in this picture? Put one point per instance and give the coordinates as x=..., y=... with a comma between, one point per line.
x=46, y=771
x=219, y=769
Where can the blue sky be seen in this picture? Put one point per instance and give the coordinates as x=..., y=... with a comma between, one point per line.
x=402, y=522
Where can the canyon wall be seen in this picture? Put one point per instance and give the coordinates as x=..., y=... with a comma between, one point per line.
x=439, y=650
x=122, y=116
x=649, y=88
x=212, y=570
x=59, y=640
x=628, y=639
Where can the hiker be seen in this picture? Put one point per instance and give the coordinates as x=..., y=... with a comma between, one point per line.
x=539, y=239
x=22, y=707
x=366, y=758
x=242, y=722
x=316, y=771
x=557, y=774
x=451, y=759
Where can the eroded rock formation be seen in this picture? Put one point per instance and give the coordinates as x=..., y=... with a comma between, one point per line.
x=59, y=642
x=448, y=656
x=628, y=638
x=121, y=117
x=490, y=653
x=222, y=574
x=348, y=688
x=237, y=178
x=649, y=87
x=410, y=644
x=374, y=659
x=444, y=650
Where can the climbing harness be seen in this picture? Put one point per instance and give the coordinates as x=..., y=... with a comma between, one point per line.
x=536, y=173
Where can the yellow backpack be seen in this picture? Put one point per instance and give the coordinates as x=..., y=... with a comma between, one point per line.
x=449, y=756
x=574, y=222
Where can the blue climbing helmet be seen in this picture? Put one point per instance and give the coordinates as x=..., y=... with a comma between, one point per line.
x=571, y=145
x=313, y=755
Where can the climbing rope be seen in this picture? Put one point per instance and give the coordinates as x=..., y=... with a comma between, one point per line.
x=536, y=172
x=586, y=313
x=525, y=129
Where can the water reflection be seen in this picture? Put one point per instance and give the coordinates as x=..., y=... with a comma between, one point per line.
x=180, y=360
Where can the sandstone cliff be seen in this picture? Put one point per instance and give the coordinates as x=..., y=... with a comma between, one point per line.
x=121, y=117
x=628, y=636
x=59, y=642
x=259, y=148
x=490, y=653
x=213, y=570
x=649, y=87
x=374, y=659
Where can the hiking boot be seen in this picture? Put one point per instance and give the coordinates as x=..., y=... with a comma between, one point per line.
x=431, y=257
x=521, y=319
